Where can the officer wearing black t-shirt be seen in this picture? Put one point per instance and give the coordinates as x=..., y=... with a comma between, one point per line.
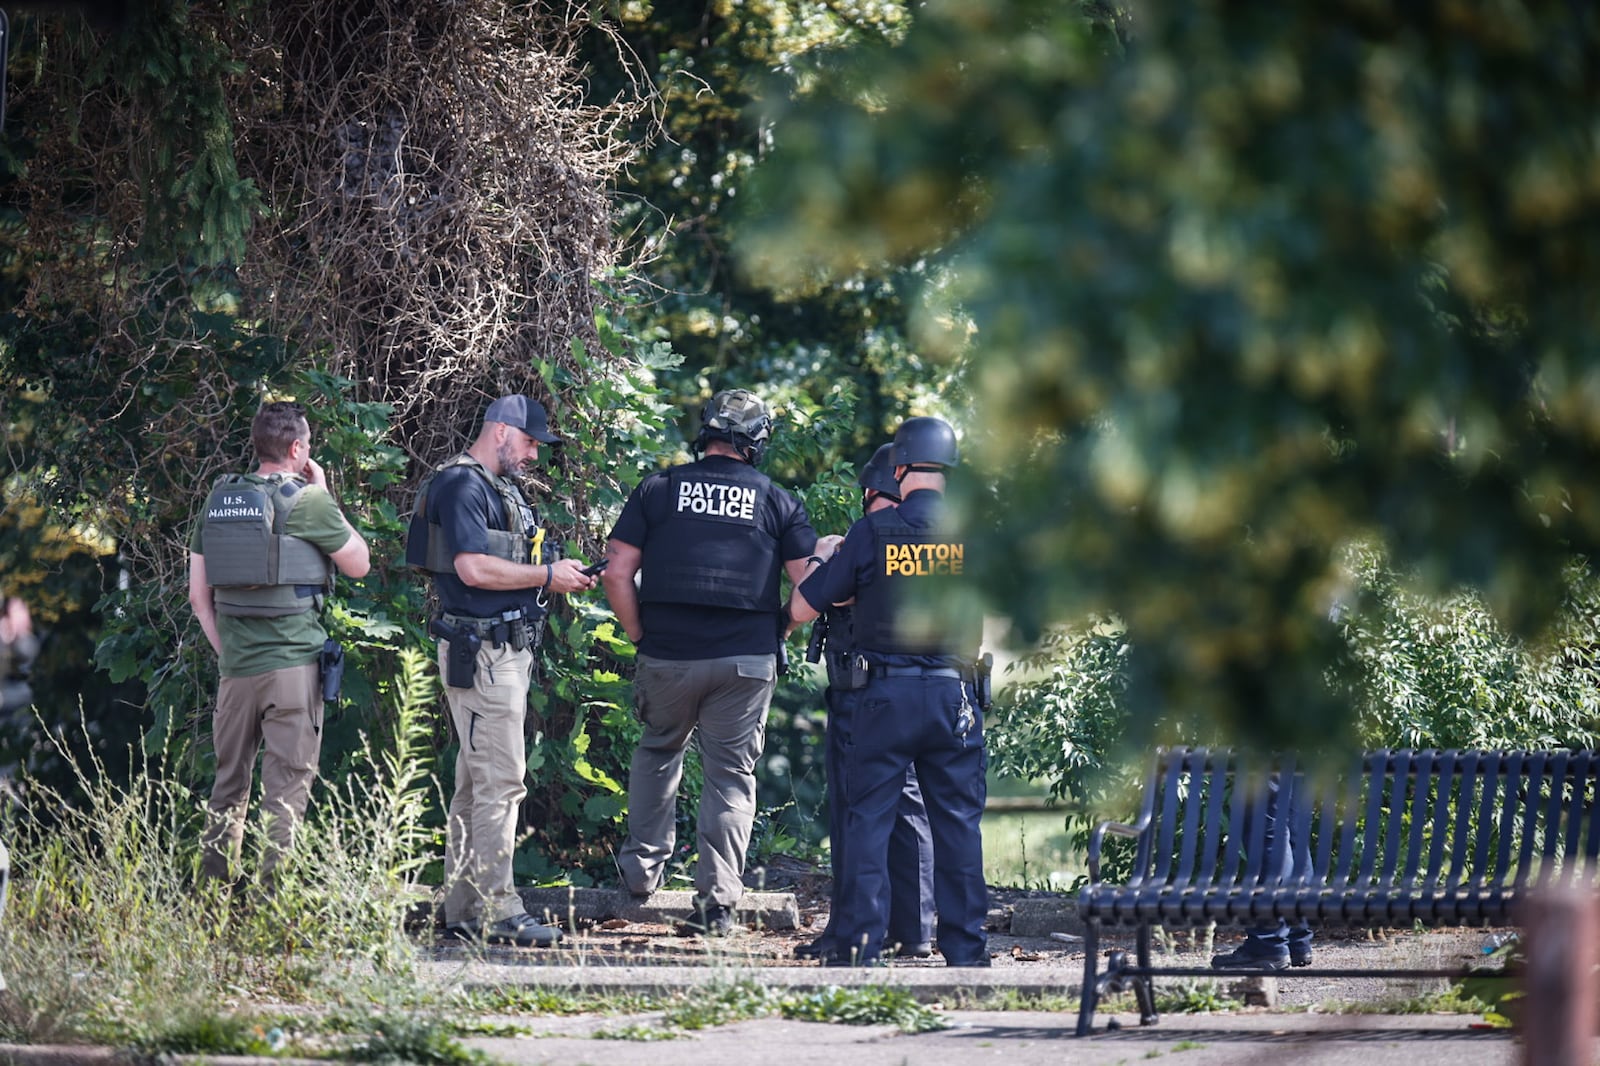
x=479, y=539
x=709, y=540
x=918, y=707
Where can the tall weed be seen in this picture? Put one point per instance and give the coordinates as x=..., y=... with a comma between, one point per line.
x=112, y=933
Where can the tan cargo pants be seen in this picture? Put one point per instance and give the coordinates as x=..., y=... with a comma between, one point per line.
x=277, y=715
x=491, y=772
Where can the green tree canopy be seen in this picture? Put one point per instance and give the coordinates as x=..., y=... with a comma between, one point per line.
x=1248, y=282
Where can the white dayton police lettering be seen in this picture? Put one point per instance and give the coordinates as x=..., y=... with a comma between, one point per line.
x=235, y=505
x=716, y=500
x=912, y=560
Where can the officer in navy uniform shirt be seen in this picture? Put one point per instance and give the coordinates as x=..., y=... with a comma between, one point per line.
x=709, y=541
x=919, y=706
x=910, y=906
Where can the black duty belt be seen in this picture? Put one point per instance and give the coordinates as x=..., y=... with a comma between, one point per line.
x=921, y=671
x=512, y=627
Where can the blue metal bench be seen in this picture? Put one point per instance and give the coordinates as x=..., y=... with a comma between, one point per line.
x=1400, y=838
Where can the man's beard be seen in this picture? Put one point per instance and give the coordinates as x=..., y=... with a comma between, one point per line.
x=508, y=466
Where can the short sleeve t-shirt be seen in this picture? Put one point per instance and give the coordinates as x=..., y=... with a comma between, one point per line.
x=252, y=646
x=466, y=507
x=691, y=631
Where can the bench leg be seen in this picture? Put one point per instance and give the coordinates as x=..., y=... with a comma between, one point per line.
x=1091, y=981
x=1144, y=987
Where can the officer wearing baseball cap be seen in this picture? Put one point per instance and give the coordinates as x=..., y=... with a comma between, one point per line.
x=919, y=703
x=479, y=539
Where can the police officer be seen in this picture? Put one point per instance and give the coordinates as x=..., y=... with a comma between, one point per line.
x=918, y=704
x=261, y=559
x=709, y=540
x=910, y=905
x=475, y=534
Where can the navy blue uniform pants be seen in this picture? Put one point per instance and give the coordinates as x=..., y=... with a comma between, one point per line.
x=901, y=723
x=1283, y=812
x=910, y=903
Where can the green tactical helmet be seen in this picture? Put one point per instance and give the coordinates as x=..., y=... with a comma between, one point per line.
x=740, y=417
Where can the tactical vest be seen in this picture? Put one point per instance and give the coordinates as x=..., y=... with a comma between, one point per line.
x=426, y=548
x=904, y=555
x=254, y=568
x=713, y=550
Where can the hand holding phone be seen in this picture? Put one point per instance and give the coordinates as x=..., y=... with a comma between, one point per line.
x=592, y=570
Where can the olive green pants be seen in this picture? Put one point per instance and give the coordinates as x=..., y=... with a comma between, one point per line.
x=722, y=703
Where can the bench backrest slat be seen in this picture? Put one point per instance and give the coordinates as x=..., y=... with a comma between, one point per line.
x=1216, y=793
x=1399, y=771
x=1537, y=780
x=1423, y=764
x=1490, y=768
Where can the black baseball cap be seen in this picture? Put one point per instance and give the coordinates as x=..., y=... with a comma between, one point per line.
x=525, y=414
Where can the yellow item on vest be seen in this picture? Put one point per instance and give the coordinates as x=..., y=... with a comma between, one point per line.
x=538, y=546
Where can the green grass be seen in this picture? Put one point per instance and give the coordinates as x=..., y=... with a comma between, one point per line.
x=1029, y=849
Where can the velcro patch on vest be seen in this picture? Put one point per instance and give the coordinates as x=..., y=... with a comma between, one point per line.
x=227, y=505
x=923, y=560
x=718, y=500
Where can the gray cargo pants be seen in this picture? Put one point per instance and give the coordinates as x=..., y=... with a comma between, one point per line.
x=725, y=702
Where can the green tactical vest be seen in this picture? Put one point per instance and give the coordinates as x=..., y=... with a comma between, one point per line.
x=426, y=548
x=255, y=569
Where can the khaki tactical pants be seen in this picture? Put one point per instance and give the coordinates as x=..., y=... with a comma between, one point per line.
x=277, y=715
x=725, y=702
x=491, y=772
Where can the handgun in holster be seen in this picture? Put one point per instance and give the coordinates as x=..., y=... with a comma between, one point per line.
x=461, y=666
x=332, y=663
x=983, y=681
x=819, y=637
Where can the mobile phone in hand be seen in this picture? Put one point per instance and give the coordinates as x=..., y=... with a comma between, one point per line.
x=591, y=571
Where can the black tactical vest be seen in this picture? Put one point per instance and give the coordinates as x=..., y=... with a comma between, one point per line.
x=713, y=550
x=903, y=555
x=425, y=543
x=255, y=570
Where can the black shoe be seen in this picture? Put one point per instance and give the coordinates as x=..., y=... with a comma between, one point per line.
x=1299, y=953
x=914, y=951
x=469, y=930
x=1246, y=958
x=522, y=931
x=849, y=958
x=814, y=949
x=710, y=919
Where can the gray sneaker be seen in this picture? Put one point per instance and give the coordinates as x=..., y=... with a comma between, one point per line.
x=523, y=931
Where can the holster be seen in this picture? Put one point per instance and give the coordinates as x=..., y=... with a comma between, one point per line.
x=847, y=671
x=332, y=663
x=461, y=665
x=983, y=681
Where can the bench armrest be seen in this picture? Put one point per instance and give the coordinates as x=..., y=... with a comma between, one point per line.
x=1120, y=829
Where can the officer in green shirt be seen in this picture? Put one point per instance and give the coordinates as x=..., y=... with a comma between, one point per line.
x=261, y=559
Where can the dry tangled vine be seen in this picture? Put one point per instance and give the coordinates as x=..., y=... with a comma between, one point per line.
x=444, y=188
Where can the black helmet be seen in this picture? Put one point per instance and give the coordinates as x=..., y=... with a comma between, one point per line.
x=739, y=417
x=878, y=475
x=925, y=441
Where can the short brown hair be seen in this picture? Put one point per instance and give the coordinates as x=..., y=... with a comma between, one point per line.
x=277, y=425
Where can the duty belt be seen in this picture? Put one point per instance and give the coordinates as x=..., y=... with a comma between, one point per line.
x=922, y=671
x=498, y=630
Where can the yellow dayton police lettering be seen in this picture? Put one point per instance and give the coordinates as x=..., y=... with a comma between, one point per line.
x=717, y=500
x=919, y=560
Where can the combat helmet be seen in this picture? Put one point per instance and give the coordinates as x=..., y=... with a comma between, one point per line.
x=878, y=475
x=739, y=417
x=926, y=444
